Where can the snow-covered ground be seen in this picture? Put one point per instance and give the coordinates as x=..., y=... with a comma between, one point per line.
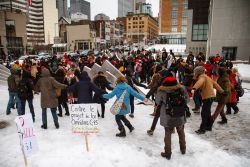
x=227, y=145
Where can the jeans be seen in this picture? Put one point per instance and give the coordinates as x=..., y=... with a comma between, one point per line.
x=54, y=115
x=12, y=96
x=132, y=99
x=197, y=99
x=30, y=102
x=206, y=115
x=121, y=118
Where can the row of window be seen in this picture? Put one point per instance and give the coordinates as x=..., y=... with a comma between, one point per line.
x=129, y=27
x=136, y=18
x=140, y=22
x=175, y=14
x=175, y=29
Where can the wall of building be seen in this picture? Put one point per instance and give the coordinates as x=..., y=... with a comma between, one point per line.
x=230, y=25
x=50, y=21
x=77, y=33
x=20, y=28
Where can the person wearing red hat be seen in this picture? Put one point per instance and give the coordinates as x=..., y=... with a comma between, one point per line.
x=172, y=97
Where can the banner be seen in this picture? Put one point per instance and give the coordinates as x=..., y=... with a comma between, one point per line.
x=27, y=135
x=84, y=118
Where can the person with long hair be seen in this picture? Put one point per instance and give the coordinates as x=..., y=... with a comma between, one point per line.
x=121, y=86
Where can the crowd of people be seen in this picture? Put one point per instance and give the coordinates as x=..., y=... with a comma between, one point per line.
x=172, y=81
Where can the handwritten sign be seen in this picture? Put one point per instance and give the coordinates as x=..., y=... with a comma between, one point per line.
x=27, y=135
x=84, y=118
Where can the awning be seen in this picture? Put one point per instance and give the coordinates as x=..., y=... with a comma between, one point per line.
x=59, y=45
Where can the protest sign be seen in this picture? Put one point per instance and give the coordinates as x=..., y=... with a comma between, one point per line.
x=28, y=142
x=84, y=119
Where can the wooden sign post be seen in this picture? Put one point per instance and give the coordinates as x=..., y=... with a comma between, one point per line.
x=84, y=119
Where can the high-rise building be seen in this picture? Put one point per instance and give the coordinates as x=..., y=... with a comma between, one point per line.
x=173, y=21
x=141, y=7
x=125, y=6
x=80, y=6
x=62, y=7
x=35, y=24
x=50, y=15
x=198, y=11
x=42, y=21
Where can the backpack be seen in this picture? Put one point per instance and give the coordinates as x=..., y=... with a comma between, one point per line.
x=175, y=103
x=22, y=90
x=240, y=91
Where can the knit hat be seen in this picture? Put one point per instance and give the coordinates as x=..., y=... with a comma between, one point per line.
x=170, y=81
x=199, y=70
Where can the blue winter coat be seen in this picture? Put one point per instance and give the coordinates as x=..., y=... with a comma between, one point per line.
x=84, y=89
x=119, y=89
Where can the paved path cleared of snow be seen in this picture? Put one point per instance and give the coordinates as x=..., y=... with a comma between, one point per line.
x=62, y=148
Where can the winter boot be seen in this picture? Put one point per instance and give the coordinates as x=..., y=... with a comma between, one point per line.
x=200, y=132
x=236, y=111
x=150, y=132
x=67, y=114
x=57, y=125
x=165, y=155
x=44, y=126
x=183, y=150
x=130, y=127
x=60, y=114
x=122, y=132
x=131, y=115
x=223, y=121
x=196, y=110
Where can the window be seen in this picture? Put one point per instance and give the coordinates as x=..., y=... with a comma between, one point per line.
x=184, y=21
x=174, y=14
x=174, y=22
x=185, y=6
x=174, y=28
x=199, y=32
x=174, y=2
x=10, y=28
x=229, y=53
x=184, y=14
x=184, y=29
x=174, y=7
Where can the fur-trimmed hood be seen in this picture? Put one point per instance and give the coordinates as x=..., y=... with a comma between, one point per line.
x=169, y=88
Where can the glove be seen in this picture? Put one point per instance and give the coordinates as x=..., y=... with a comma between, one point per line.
x=225, y=93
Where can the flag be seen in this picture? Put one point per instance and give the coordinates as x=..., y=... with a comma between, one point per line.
x=29, y=2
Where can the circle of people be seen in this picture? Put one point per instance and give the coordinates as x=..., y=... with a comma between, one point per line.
x=62, y=80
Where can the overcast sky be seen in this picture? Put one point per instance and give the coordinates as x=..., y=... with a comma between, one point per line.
x=110, y=7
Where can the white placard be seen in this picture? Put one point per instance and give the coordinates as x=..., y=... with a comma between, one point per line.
x=84, y=118
x=26, y=133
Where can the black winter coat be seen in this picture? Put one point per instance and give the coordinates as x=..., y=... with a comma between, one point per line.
x=84, y=89
x=27, y=81
x=101, y=82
